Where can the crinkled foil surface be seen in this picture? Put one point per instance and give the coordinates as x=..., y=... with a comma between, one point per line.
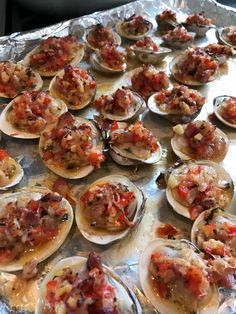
x=123, y=255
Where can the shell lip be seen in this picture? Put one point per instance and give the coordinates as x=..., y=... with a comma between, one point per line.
x=184, y=210
x=123, y=34
x=104, y=236
x=18, y=176
x=96, y=65
x=217, y=101
x=116, y=36
x=220, y=36
x=173, y=67
x=160, y=51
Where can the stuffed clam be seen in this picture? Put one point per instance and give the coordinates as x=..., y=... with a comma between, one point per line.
x=71, y=147
x=34, y=224
x=132, y=144
x=11, y=171
x=194, y=187
x=75, y=86
x=227, y=35
x=84, y=285
x=109, y=209
x=109, y=59
x=198, y=23
x=178, y=38
x=122, y=105
x=166, y=20
x=220, y=52
x=199, y=140
x=134, y=27
x=180, y=104
x=27, y=114
x=174, y=277
x=225, y=109
x=16, y=78
x=53, y=54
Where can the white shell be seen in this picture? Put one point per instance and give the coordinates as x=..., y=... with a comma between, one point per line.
x=57, y=95
x=117, y=39
x=17, y=176
x=179, y=44
x=222, y=174
x=153, y=57
x=9, y=129
x=49, y=247
x=104, y=236
x=173, y=67
x=77, y=58
x=126, y=299
x=123, y=34
x=221, y=36
x=177, y=146
x=65, y=173
x=166, y=306
x=100, y=67
x=199, y=30
x=217, y=103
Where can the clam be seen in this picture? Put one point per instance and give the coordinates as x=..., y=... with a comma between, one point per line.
x=180, y=299
x=212, y=174
x=128, y=153
x=81, y=94
x=43, y=251
x=125, y=300
x=97, y=36
x=73, y=54
x=220, y=109
x=185, y=148
x=220, y=52
x=178, y=38
x=222, y=34
x=16, y=78
x=104, y=230
x=198, y=23
x=76, y=167
x=18, y=128
x=166, y=20
x=188, y=106
x=134, y=27
x=131, y=110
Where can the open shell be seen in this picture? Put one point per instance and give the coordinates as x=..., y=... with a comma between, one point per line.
x=127, y=301
x=222, y=37
x=176, y=118
x=36, y=86
x=100, y=67
x=116, y=37
x=178, y=144
x=191, y=82
x=199, y=30
x=77, y=58
x=148, y=56
x=125, y=158
x=217, y=104
x=47, y=249
x=77, y=173
x=222, y=176
x=207, y=306
x=177, y=44
x=16, y=177
x=104, y=236
x=54, y=93
x=8, y=128
x=166, y=24
x=138, y=108
x=122, y=33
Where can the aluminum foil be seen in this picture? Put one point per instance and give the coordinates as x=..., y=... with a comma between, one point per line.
x=123, y=255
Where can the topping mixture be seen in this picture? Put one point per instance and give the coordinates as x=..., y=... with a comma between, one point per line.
x=218, y=50
x=31, y=111
x=8, y=168
x=166, y=15
x=71, y=144
x=227, y=110
x=136, y=25
x=76, y=86
x=147, y=44
x=179, y=100
x=86, y=291
x=15, y=78
x=179, y=34
x=148, y=80
x=198, y=19
x=135, y=139
x=110, y=56
x=27, y=225
x=196, y=65
x=121, y=102
x=109, y=205
x=100, y=36
x=54, y=53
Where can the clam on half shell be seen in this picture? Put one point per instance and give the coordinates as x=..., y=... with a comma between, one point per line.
x=223, y=177
x=110, y=234
x=16, y=176
x=222, y=216
x=178, y=44
x=125, y=158
x=128, y=303
x=149, y=56
x=222, y=37
x=11, y=130
x=116, y=37
x=77, y=173
x=189, y=81
x=101, y=67
x=199, y=30
x=122, y=33
x=172, y=248
x=217, y=102
x=47, y=249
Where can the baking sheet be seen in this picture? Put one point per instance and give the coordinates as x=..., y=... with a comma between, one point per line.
x=123, y=255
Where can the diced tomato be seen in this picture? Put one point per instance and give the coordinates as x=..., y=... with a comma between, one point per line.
x=194, y=278
x=51, y=234
x=85, y=197
x=156, y=255
x=166, y=230
x=3, y=154
x=47, y=155
x=5, y=254
x=230, y=228
x=209, y=229
x=220, y=250
x=114, y=126
x=195, y=211
x=183, y=191
x=121, y=219
x=33, y=205
x=161, y=289
x=96, y=158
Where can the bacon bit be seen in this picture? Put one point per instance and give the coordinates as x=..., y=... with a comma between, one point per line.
x=62, y=187
x=212, y=117
x=166, y=231
x=30, y=269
